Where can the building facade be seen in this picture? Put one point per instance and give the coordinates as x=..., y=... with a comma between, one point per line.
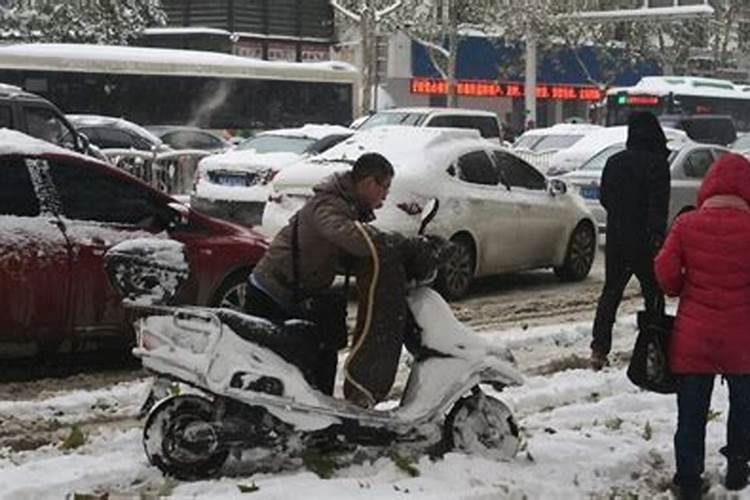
x=276, y=30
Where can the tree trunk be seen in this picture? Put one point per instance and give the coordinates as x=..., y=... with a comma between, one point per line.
x=368, y=60
x=452, y=56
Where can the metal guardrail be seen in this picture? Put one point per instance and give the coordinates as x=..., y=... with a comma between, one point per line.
x=169, y=171
x=542, y=160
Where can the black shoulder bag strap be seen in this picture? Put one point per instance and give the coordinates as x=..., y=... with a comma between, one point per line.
x=296, y=294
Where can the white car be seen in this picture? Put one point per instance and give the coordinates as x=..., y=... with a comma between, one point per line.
x=688, y=163
x=537, y=145
x=572, y=158
x=235, y=185
x=502, y=213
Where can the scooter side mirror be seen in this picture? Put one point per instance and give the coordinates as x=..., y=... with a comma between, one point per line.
x=428, y=213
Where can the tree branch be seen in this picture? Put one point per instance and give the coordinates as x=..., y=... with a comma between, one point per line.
x=346, y=12
x=388, y=10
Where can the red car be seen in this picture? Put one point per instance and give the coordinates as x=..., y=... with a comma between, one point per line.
x=59, y=213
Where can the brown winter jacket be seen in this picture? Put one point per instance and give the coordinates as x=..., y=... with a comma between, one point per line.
x=327, y=233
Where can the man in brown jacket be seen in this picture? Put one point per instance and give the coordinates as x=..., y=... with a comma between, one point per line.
x=322, y=238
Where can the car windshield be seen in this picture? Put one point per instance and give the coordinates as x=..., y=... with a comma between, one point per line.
x=527, y=141
x=269, y=143
x=598, y=161
x=555, y=142
x=392, y=118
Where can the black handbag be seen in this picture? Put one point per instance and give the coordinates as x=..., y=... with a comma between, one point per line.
x=649, y=365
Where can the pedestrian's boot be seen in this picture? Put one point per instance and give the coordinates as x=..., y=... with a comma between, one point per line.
x=598, y=360
x=737, y=472
x=688, y=488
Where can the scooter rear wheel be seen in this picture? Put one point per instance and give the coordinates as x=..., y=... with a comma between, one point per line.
x=180, y=438
x=482, y=425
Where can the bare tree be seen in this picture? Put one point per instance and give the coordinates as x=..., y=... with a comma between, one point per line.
x=370, y=16
x=100, y=21
x=440, y=26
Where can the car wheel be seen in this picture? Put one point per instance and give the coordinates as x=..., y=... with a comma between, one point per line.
x=457, y=272
x=580, y=254
x=232, y=294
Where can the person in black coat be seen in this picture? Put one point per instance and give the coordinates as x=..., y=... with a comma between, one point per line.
x=635, y=193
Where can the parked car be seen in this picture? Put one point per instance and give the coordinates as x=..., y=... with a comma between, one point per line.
x=688, y=163
x=711, y=129
x=501, y=212
x=234, y=185
x=486, y=122
x=572, y=158
x=61, y=211
x=186, y=137
x=37, y=117
x=109, y=132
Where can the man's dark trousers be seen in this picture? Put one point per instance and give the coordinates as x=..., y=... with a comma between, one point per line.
x=619, y=268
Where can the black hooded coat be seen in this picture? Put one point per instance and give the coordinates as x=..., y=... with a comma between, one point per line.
x=635, y=189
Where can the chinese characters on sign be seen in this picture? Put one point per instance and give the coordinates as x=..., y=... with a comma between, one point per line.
x=487, y=88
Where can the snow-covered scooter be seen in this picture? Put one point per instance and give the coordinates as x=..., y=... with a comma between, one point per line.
x=253, y=396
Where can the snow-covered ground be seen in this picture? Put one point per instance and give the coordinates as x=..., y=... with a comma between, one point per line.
x=588, y=435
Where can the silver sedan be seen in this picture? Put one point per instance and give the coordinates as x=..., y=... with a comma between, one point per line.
x=688, y=163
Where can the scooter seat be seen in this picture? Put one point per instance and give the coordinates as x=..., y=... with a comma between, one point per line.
x=297, y=341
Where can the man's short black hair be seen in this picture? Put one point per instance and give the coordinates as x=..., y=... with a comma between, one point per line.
x=372, y=165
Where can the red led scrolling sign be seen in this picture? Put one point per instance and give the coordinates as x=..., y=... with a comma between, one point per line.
x=488, y=88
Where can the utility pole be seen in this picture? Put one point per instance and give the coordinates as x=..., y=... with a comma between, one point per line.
x=529, y=90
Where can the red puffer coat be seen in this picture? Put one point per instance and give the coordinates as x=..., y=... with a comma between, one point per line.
x=706, y=262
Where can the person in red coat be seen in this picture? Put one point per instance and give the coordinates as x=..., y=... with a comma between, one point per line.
x=705, y=262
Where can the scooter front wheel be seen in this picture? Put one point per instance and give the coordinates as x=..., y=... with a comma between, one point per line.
x=482, y=425
x=181, y=437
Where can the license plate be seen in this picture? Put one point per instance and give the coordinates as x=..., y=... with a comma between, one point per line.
x=590, y=192
x=233, y=180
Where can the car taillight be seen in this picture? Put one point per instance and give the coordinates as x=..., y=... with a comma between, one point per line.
x=269, y=175
x=275, y=197
x=411, y=208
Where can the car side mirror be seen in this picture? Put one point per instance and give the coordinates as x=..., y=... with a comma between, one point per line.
x=556, y=187
x=428, y=213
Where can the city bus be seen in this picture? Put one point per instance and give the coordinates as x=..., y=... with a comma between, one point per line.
x=174, y=87
x=680, y=95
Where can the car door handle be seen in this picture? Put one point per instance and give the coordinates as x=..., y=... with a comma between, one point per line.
x=525, y=206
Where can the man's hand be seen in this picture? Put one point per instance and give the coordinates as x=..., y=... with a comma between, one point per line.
x=655, y=242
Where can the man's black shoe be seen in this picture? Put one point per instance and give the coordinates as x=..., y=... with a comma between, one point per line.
x=737, y=472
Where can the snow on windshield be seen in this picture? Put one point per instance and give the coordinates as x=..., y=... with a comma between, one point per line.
x=395, y=118
x=556, y=142
x=276, y=144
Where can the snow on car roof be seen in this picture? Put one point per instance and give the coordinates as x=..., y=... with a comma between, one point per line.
x=595, y=141
x=685, y=85
x=155, y=61
x=563, y=128
x=405, y=147
x=426, y=109
x=99, y=121
x=13, y=142
x=312, y=131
